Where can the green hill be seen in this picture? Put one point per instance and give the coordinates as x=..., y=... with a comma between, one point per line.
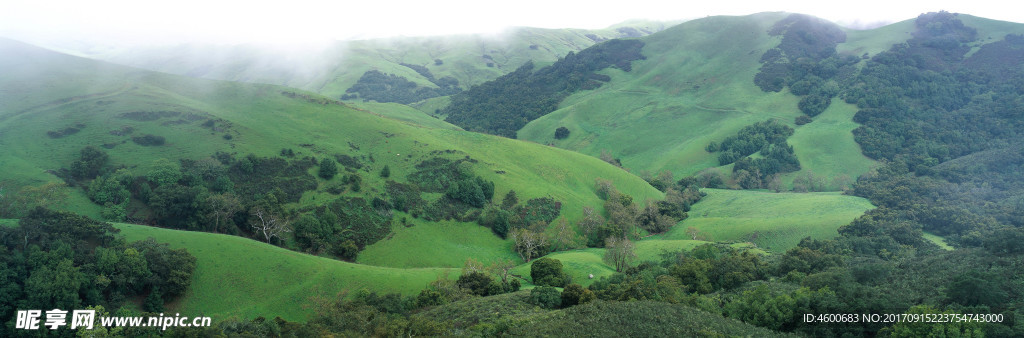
x=241, y=277
x=260, y=119
x=331, y=69
x=45, y=121
x=692, y=90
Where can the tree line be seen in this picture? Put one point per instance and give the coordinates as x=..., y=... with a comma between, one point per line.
x=504, y=105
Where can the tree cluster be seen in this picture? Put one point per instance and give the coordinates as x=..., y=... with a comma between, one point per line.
x=56, y=259
x=506, y=104
x=382, y=87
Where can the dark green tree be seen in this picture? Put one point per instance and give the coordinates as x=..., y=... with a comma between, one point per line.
x=561, y=133
x=548, y=271
x=328, y=168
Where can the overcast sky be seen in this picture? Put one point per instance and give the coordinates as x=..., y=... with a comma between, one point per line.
x=143, y=21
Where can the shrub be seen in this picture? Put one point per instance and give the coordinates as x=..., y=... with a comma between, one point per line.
x=328, y=168
x=546, y=297
x=561, y=133
x=548, y=271
x=149, y=140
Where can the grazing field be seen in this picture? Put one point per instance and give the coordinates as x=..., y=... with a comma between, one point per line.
x=241, y=277
x=826, y=147
x=773, y=221
x=438, y=244
x=578, y=264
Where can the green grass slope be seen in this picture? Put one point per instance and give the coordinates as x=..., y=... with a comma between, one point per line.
x=826, y=147
x=263, y=119
x=773, y=221
x=236, y=276
x=430, y=244
x=404, y=113
x=695, y=87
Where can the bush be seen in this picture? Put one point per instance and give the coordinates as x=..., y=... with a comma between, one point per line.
x=802, y=120
x=575, y=294
x=477, y=283
x=561, y=133
x=328, y=168
x=149, y=140
x=546, y=297
x=548, y=271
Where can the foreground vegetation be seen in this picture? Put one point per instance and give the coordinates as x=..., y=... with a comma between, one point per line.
x=405, y=229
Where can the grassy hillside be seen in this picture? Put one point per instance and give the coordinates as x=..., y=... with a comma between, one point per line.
x=241, y=277
x=331, y=69
x=111, y=104
x=773, y=221
x=692, y=90
x=433, y=244
x=260, y=119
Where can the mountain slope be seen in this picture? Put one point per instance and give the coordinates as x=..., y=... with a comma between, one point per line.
x=696, y=87
x=66, y=103
x=331, y=69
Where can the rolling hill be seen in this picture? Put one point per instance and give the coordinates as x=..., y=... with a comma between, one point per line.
x=331, y=69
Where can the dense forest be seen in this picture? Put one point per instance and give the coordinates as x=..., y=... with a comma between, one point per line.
x=506, y=104
x=57, y=259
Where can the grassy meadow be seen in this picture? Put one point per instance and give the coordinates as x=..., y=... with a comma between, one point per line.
x=773, y=221
x=241, y=277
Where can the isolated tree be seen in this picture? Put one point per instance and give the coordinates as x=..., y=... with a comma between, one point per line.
x=695, y=234
x=548, y=271
x=510, y=200
x=561, y=133
x=502, y=268
x=528, y=243
x=385, y=172
x=268, y=224
x=607, y=157
x=328, y=168
x=619, y=252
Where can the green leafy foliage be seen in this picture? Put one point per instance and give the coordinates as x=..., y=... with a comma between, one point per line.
x=548, y=272
x=546, y=297
x=89, y=164
x=328, y=168
x=561, y=133
x=66, y=261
